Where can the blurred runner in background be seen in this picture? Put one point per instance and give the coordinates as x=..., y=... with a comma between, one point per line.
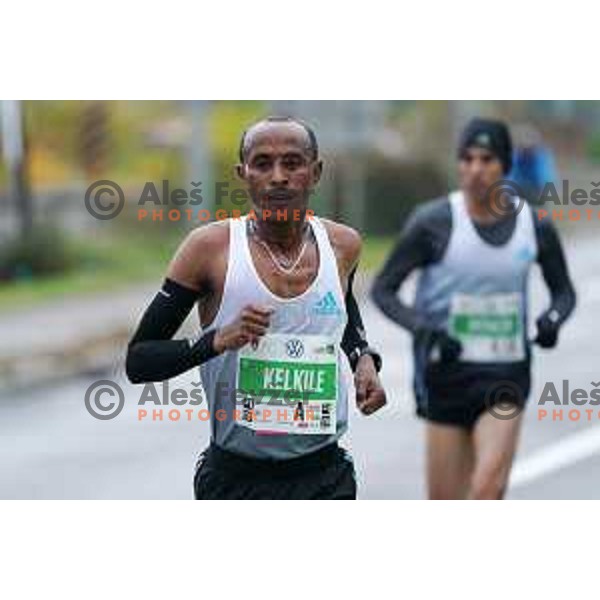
x=533, y=164
x=469, y=321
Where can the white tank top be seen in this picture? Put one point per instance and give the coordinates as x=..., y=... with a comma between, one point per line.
x=477, y=287
x=320, y=310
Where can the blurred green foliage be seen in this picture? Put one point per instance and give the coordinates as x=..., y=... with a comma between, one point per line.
x=45, y=251
x=593, y=148
x=54, y=131
x=93, y=264
x=394, y=189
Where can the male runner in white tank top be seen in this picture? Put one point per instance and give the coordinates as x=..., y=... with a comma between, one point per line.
x=281, y=331
x=469, y=320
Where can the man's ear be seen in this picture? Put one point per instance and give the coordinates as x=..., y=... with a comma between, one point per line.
x=317, y=172
x=240, y=171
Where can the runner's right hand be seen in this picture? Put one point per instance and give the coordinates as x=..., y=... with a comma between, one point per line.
x=251, y=324
x=449, y=348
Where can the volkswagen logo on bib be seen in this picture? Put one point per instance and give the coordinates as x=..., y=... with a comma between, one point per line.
x=294, y=348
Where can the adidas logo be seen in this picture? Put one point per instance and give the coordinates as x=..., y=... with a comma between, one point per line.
x=525, y=254
x=327, y=305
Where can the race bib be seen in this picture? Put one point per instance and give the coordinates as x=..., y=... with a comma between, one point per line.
x=489, y=327
x=288, y=384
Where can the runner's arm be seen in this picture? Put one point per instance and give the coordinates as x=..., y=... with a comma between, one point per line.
x=354, y=341
x=152, y=355
x=553, y=264
x=414, y=249
x=347, y=245
x=354, y=334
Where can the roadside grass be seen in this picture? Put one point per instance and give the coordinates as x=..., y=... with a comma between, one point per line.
x=102, y=265
x=374, y=253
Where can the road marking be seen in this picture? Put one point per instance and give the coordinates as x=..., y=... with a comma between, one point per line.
x=567, y=451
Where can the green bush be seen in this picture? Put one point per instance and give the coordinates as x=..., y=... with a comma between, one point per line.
x=45, y=251
x=395, y=188
x=593, y=148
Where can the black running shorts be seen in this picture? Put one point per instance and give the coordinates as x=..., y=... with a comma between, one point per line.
x=327, y=474
x=460, y=395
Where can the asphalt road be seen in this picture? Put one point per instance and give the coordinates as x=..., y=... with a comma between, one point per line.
x=50, y=446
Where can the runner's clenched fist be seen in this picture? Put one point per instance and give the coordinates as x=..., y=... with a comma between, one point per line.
x=251, y=324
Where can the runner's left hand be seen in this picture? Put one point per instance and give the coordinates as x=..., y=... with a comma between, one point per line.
x=547, y=332
x=370, y=395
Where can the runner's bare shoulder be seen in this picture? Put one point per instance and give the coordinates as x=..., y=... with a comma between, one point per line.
x=346, y=243
x=199, y=255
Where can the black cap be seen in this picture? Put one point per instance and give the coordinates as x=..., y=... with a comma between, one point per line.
x=491, y=135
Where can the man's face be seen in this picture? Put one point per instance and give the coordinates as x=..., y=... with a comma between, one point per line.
x=279, y=168
x=478, y=169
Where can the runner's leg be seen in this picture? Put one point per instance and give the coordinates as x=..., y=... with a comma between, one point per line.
x=449, y=461
x=495, y=443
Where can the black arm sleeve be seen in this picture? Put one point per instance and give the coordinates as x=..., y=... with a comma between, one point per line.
x=551, y=259
x=152, y=355
x=422, y=241
x=354, y=334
